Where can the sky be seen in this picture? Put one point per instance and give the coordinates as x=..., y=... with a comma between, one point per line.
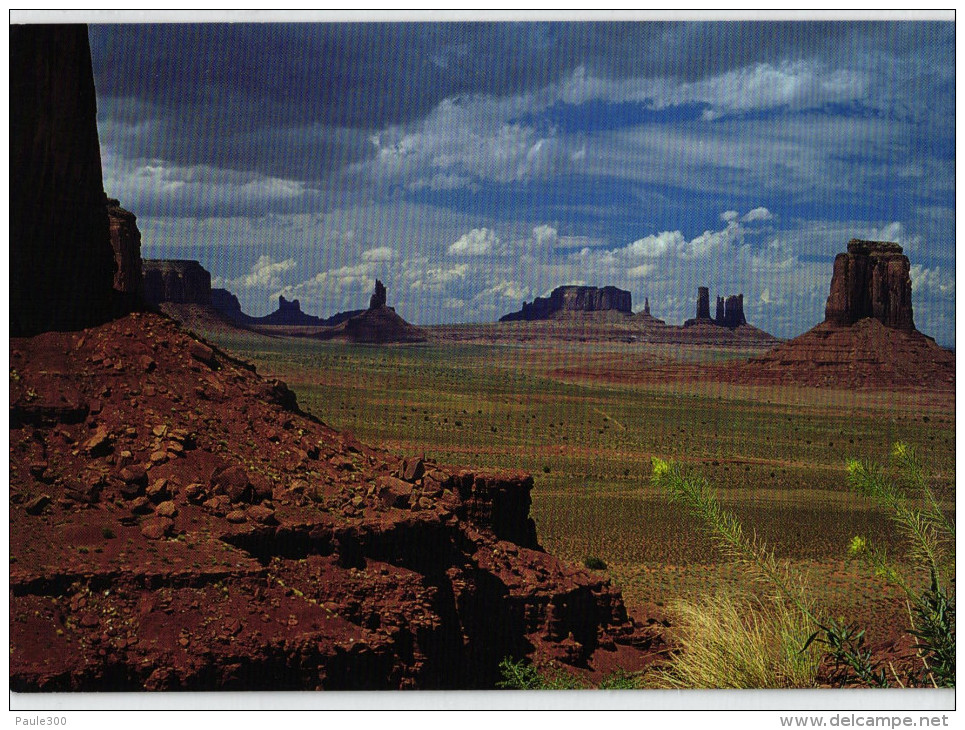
x=472, y=166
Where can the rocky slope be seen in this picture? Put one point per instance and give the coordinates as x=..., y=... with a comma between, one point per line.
x=177, y=523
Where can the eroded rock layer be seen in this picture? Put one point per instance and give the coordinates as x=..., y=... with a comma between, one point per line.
x=126, y=242
x=868, y=338
x=177, y=523
x=178, y=281
x=871, y=280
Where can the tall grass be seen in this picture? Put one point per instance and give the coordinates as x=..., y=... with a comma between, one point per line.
x=729, y=641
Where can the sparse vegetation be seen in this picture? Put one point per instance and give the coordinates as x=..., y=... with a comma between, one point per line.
x=594, y=563
x=522, y=674
x=716, y=631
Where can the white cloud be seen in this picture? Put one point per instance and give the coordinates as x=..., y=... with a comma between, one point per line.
x=729, y=215
x=545, y=236
x=478, y=242
x=758, y=214
x=657, y=245
x=641, y=271
x=932, y=282
x=382, y=254
x=159, y=186
x=264, y=274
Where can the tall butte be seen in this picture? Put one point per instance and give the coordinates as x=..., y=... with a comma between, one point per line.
x=61, y=259
x=868, y=337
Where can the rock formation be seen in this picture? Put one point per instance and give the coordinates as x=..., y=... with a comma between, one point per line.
x=61, y=261
x=566, y=300
x=868, y=338
x=179, y=281
x=176, y=523
x=378, y=296
x=871, y=280
x=379, y=324
x=228, y=305
x=730, y=311
x=703, y=302
x=126, y=242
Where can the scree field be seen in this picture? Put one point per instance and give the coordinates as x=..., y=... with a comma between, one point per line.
x=776, y=455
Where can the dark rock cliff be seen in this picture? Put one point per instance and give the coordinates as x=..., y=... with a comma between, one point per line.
x=61, y=261
x=871, y=280
x=179, y=281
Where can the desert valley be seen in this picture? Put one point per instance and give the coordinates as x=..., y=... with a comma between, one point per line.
x=202, y=499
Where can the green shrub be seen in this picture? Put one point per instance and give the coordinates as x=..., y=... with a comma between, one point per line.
x=710, y=635
x=930, y=534
x=594, y=563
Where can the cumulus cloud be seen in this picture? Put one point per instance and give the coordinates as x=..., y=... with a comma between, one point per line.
x=381, y=254
x=478, y=242
x=659, y=244
x=932, y=282
x=264, y=274
x=545, y=237
x=758, y=214
x=159, y=187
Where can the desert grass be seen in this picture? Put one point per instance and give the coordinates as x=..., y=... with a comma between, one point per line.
x=731, y=641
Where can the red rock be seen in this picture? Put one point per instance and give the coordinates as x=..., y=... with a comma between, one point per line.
x=126, y=243
x=871, y=280
x=233, y=482
x=261, y=515
x=236, y=516
x=413, y=469
x=157, y=491
x=100, y=444
x=38, y=504
x=155, y=528
x=202, y=353
x=166, y=509
x=393, y=492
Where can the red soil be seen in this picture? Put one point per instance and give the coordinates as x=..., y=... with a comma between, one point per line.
x=177, y=523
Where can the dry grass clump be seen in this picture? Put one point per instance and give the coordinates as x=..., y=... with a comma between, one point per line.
x=733, y=641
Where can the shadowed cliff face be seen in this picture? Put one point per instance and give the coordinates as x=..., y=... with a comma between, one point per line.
x=176, y=280
x=61, y=260
x=871, y=280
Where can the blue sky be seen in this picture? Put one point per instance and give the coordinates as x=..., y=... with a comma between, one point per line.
x=474, y=165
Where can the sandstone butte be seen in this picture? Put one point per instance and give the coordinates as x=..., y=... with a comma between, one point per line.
x=176, y=522
x=867, y=339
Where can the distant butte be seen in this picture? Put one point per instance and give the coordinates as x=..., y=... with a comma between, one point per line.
x=574, y=301
x=867, y=339
x=379, y=324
